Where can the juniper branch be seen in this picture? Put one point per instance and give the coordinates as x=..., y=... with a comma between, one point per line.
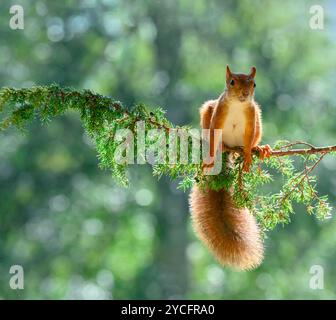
x=291, y=152
x=102, y=116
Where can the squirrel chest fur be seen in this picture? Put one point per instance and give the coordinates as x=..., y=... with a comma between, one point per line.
x=235, y=124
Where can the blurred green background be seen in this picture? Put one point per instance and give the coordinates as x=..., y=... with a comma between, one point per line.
x=80, y=236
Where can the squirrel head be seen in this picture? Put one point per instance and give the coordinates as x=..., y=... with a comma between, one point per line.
x=240, y=86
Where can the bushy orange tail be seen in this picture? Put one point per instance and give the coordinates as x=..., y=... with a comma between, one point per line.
x=231, y=234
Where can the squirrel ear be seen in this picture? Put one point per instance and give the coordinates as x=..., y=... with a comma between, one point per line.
x=253, y=72
x=228, y=73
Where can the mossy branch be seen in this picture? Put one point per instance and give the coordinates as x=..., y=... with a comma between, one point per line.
x=102, y=116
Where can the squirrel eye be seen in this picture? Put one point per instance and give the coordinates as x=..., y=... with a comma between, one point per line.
x=232, y=82
x=254, y=85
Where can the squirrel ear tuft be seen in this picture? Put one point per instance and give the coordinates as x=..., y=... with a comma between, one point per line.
x=253, y=72
x=228, y=73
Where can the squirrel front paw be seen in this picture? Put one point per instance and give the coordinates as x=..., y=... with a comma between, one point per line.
x=264, y=151
x=207, y=165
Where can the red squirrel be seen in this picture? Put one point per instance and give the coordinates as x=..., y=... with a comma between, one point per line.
x=231, y=234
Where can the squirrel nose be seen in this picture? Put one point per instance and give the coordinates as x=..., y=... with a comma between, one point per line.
x=245, y=94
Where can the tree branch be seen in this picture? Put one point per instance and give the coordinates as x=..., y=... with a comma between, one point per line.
x=102, y=116
x=291, y=152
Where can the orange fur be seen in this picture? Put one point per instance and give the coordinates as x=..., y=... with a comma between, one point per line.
x=249, y=136
x=258, y=128
x=206, y=113
x=217, y=122
x=231, y=234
